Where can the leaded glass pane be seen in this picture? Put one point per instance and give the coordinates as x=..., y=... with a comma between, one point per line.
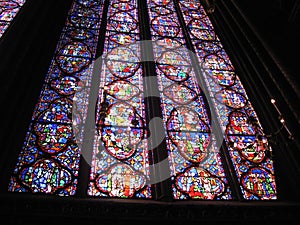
x=195, y=163
x=196, y=81
x=8, y=11
x=120, y=163
x=49, y=160
x=246, y=145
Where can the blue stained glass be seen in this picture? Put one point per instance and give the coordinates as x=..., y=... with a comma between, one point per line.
x=194, y=158
x=49, y=161
x=8, y=11
x=120, y=166
x=246, y=144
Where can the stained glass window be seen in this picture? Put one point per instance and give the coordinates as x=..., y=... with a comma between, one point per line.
x=8, y=10
x=195, y=162
x=122, y=170
x=200, y=96
x=49, y=161
x=246, y=145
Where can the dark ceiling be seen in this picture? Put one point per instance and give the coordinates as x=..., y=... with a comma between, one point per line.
x=278, y=24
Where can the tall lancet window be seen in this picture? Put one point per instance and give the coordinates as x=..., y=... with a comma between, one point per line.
x=49, y=160
x=169, y=114
x=8, y=11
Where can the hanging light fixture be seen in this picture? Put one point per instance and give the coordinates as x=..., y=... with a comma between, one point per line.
x=282, y=120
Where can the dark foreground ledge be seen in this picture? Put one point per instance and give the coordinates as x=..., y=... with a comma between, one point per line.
x=37, y=209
